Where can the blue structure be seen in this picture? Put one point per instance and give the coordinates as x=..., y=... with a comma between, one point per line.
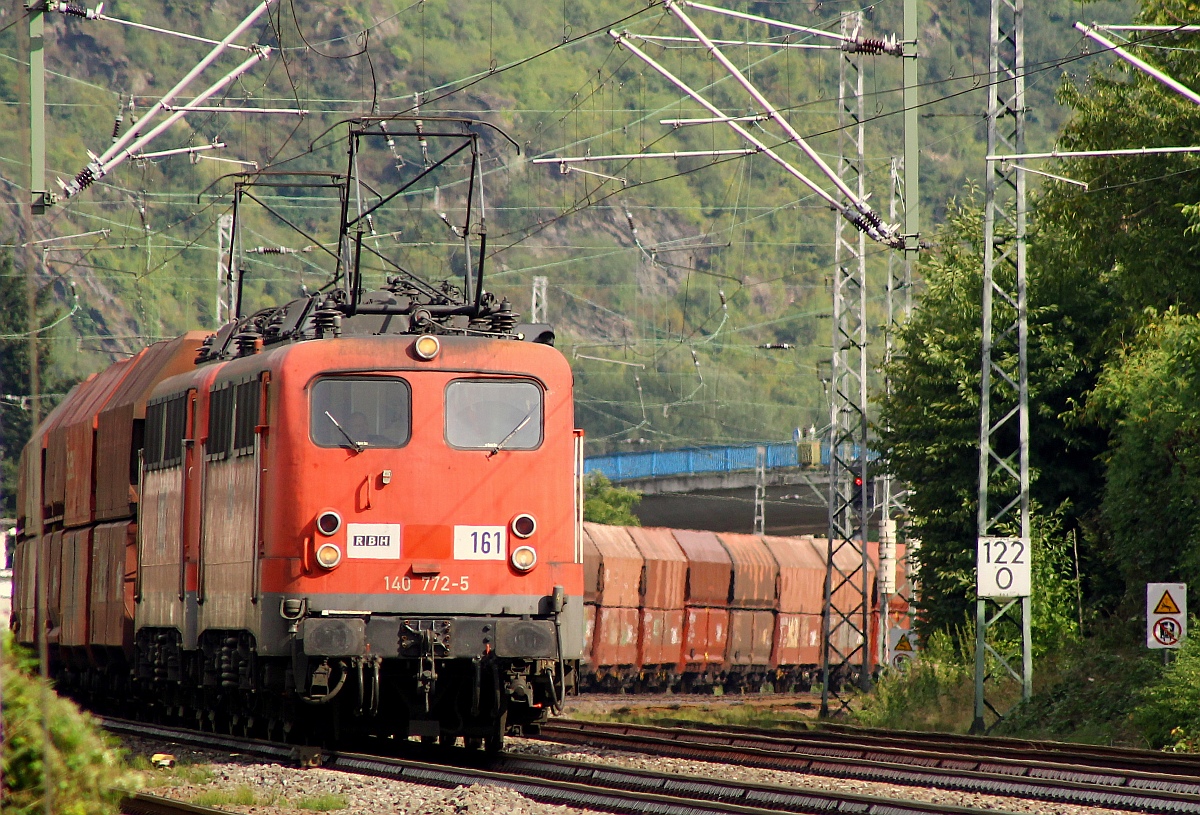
x=694, y=461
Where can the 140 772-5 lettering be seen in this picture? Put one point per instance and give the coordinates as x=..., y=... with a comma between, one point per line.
x=440, y=582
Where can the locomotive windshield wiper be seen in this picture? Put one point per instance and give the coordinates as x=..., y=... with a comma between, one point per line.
x=513, y=432
x=357, y=446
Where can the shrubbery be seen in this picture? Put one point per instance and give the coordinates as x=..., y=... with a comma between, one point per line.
x=86, y=766
x=1169, y=712
x=605, y=504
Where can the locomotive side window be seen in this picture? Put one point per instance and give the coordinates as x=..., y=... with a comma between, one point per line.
x=491, y=414
x=165, y=420
x=360, y=412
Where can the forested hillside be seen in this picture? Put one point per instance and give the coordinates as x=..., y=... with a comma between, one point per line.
x=728, y=255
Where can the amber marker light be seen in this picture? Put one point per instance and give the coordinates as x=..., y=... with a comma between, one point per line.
x=523, y=558
x=523, y=526
x=328, y=555
x=427, y=347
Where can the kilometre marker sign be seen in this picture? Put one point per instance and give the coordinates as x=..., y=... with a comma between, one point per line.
x=1002, y=567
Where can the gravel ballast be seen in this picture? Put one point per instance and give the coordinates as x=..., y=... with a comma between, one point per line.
x=279, y=789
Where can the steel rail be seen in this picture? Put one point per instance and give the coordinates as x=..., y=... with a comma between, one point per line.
x=1132, y=790
x=582, y=784
x=1116, y=758
x=1102, y=756
x=140, y=803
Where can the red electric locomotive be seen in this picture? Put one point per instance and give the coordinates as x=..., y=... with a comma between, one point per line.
x=357, y=512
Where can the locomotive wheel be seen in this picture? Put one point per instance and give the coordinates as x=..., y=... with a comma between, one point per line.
x=429, y=739
x=493, y=743
x=473, y=742
x=446, y=740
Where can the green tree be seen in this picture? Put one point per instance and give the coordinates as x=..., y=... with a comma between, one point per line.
x=15, y=410
x=1150, y=395
x=931, y=419
x=605, y=504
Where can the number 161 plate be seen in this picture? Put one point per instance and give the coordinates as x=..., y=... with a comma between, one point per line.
x=480, y=543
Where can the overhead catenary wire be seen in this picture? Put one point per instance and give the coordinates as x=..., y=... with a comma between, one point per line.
x=156, y=233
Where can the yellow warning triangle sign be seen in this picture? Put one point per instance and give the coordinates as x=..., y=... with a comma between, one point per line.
x=903, y=644
x=1167, y=604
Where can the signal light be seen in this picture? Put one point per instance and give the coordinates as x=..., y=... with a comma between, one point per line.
x=329, y=522
x=524, y=525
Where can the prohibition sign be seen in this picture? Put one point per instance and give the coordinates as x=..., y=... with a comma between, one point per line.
x=1166, y=631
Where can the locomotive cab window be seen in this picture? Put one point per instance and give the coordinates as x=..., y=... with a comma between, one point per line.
x=360, y=412
x=490, y=414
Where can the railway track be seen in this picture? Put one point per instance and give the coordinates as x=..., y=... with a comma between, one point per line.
x=1008, y=770
x=140, y=803
x=548, y=780
x=1099, y=756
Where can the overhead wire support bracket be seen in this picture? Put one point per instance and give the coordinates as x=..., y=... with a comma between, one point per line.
x=133, y=138
x=858, y=212
x=178, y=151
x=853, y=43
x=1126, y=151
x=1140, y=64
x=800, y=46
x=632, y=156
x=104, y=164
x=224, y=109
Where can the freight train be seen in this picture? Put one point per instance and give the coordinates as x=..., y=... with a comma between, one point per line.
x=688, y=610
x=360, y=512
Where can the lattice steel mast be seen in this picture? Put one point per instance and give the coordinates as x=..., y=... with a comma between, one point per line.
x=846, y=623
x=1004, y=391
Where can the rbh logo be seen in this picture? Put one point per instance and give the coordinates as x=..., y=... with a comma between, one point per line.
x=373, y=541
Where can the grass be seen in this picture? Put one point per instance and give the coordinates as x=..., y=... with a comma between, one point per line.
x=936, y=693
x=239, y=796
x=729, y=714
x=323, y=803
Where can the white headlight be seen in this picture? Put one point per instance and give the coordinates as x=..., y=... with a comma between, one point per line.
x=427, y=347
x=523, y=558
x=328, y=555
